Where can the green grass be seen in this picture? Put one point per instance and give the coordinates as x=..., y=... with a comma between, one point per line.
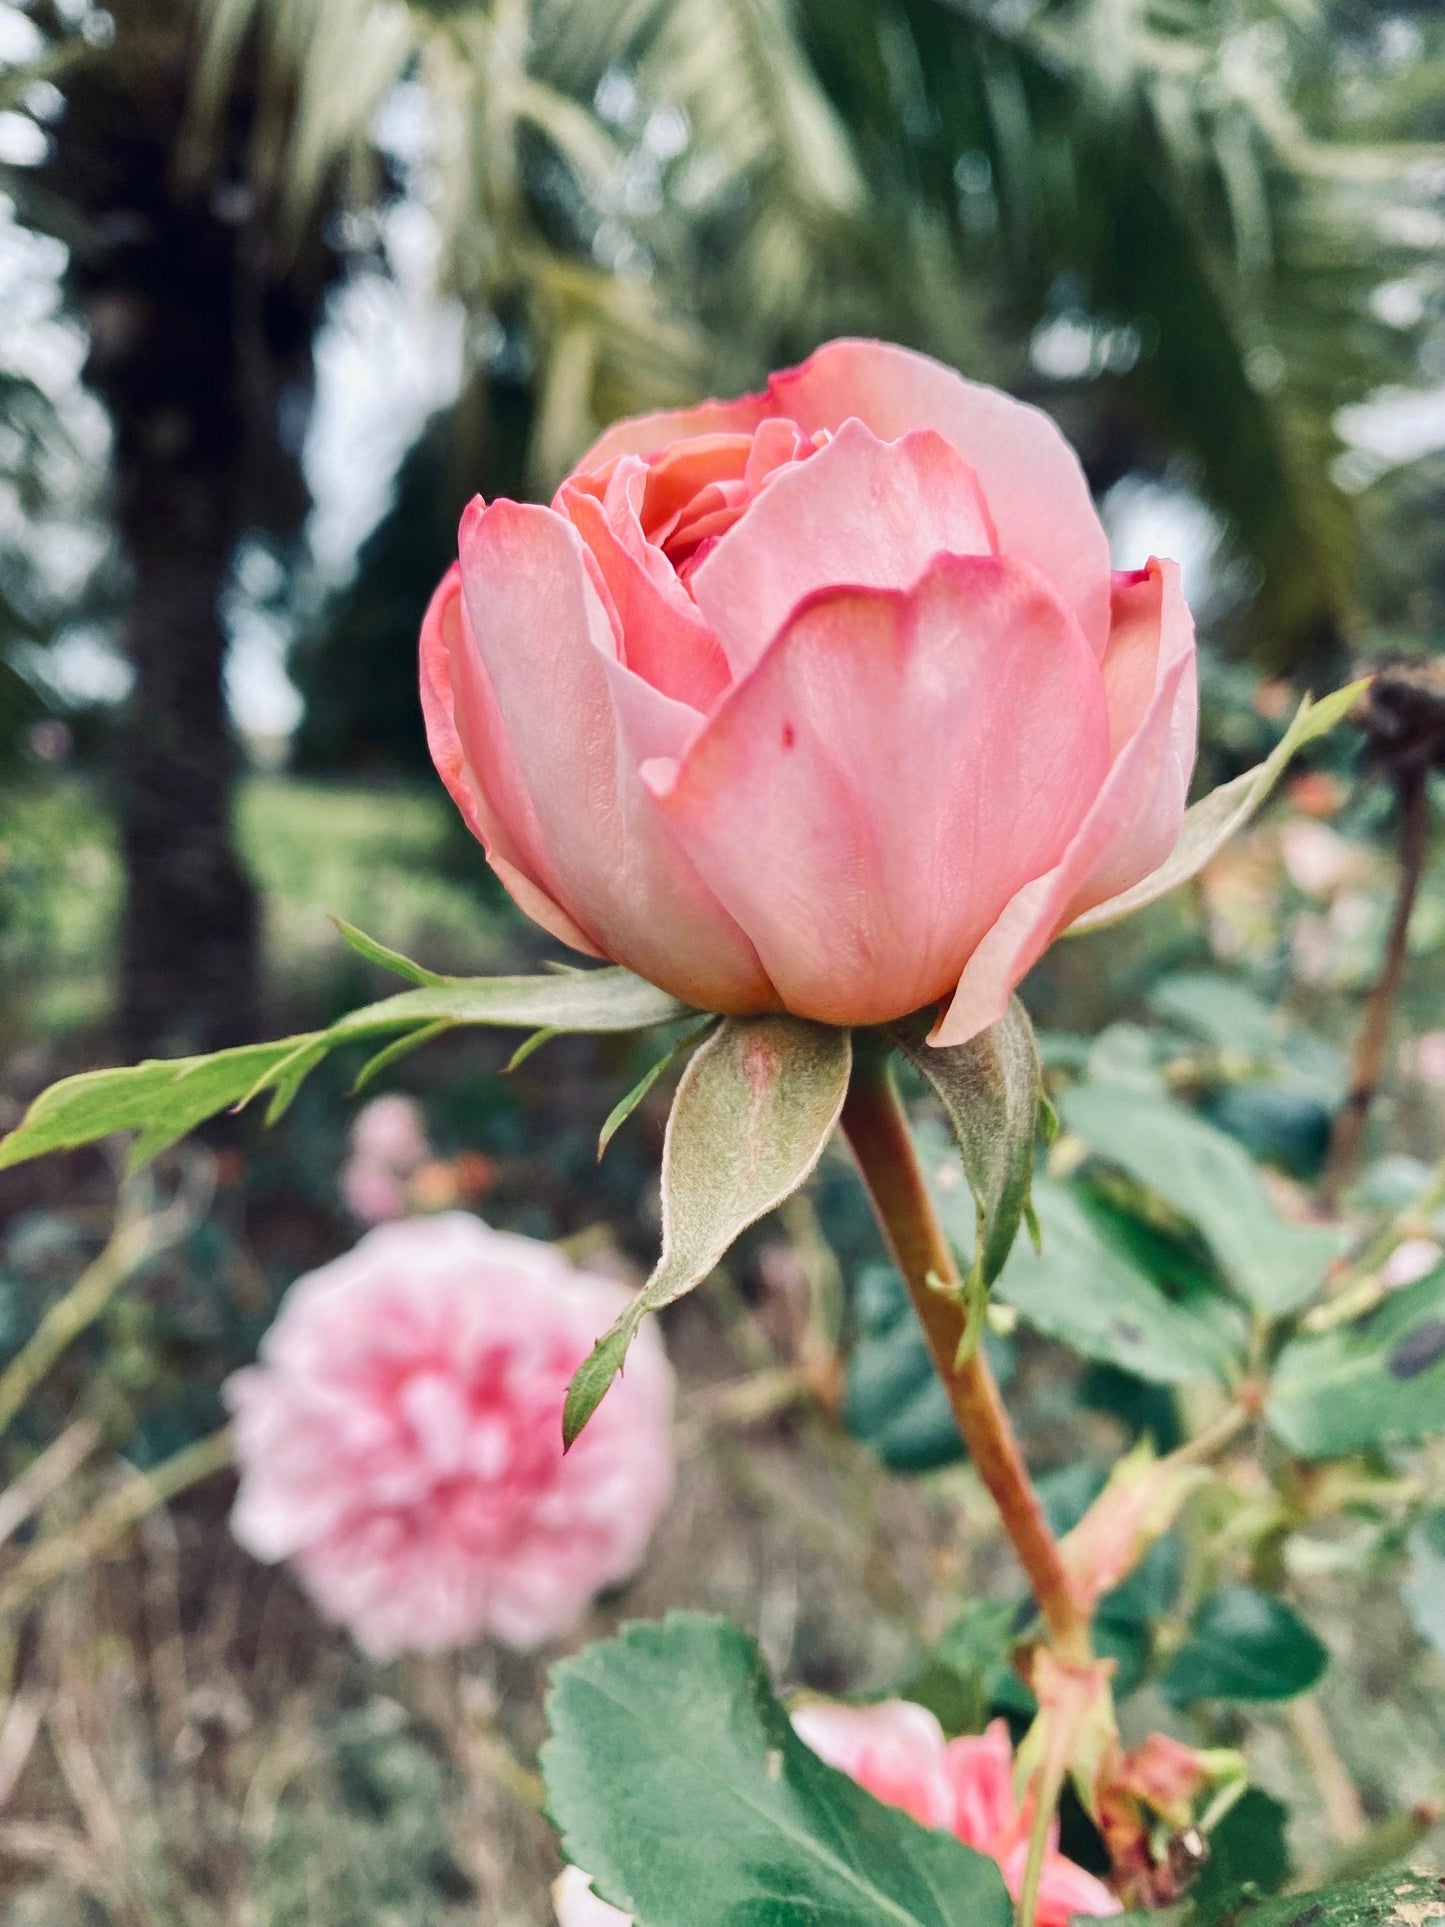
x=389, y=859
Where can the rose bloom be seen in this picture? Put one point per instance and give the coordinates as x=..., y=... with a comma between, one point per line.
x=897, y=1751
x=823, y=700
x=400, y=1440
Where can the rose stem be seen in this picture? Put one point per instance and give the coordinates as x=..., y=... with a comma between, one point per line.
x=877, y=1130
x=1367, y=1061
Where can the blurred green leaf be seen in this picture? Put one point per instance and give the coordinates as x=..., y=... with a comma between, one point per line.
x=1208, y=1179
x=1424, y=1587
x=1244, y=1645
x=1086, y=1294
x=1380, y=1381
x=677, y=1781
x=1389, y=1900
x=1248, y=1855
x=894, y=1400
x=753, y=1111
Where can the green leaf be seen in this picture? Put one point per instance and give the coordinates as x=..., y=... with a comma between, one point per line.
x=991, y=1089
x=1424, y=1589
x=894, y=1400
x=162, y=1098
x=379, y=953
x=1380, y=1381
x=398, y=1048
x=1215, y=818
x=1081, y=1291
x=165, y=1099
x=753, y=1111
x=1244, y=1645
x=625, y=1106
x=1277, y=1266
x=1248, y=1855
x=588, y=1000
x=1389, y=1900
x=678, y=1783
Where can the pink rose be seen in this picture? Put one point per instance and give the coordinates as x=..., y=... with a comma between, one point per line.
x=400, y=1440
x=897, y=1751
x=824, y=699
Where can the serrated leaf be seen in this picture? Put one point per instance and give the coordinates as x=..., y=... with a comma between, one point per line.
x=381, y=954
x=1082, y=1292
x=1208, y=1179
x=991, y=1089
x=1380, y=1381
x=678, y=1783
x=753, y=1111
x=1215, y=818
x=1244, y=1645
x=1389, y=1900
x=165, y=1099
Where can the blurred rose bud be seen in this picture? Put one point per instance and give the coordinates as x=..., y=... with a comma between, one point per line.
x=898, y=1752
x=388, y=1142
x=1139, y=1503
x=391, y=1131
x=400, y=1440
x=1410, y=1261
x=822, y=699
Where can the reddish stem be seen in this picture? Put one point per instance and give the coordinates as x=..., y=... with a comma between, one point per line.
x=877, y=1131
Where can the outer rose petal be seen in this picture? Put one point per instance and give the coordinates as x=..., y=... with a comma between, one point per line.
x=895, y=1749
x=980, y=1769
x=576, y=1905
x=1135, y=819
x=1031, y=478
x=1064, y=1891
x=861, y=511
x=578, y=723
x=871, y=795
x=481, y=774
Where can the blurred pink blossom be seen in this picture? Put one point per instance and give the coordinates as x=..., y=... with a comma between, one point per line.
x=390, y=1129
x=1430, y=1057
x=388, y=1144
x=1410, y=1261
x=400, y=1440
x=898, y=1752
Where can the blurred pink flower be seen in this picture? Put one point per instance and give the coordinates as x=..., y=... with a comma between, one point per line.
x=388, y=1143
x=400, y=1440
x=1410, y=1261
x=390, y=1129
x=898, y=1752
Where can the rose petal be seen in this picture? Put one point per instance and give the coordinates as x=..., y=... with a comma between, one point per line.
x=578, y=722
x=456, y=696
x=980, y=1772
x=1031, y=478
x=665, y=640
x=871, y=795
x=576, y=1905
x=1134, y=820
x=861, y=511
x=895, y=1749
